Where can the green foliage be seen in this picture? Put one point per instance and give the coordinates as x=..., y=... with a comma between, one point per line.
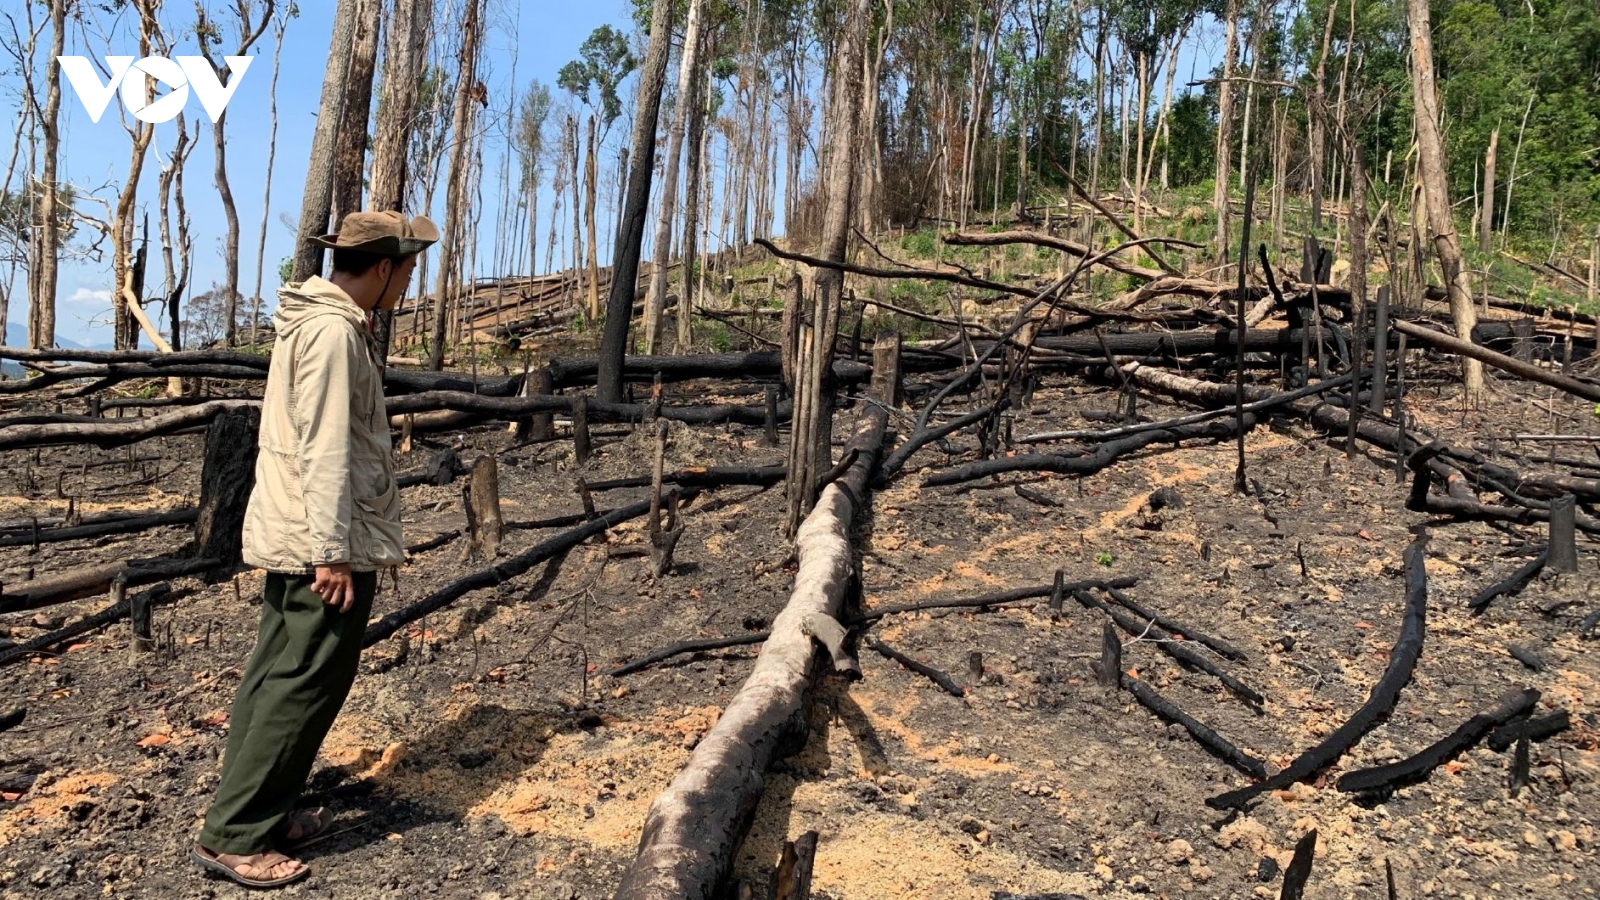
x=1104, y=558
x=604, y=60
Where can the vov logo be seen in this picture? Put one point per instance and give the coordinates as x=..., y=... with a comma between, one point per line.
x=134, y=79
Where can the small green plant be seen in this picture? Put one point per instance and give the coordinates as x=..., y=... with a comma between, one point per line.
x=1104, y=558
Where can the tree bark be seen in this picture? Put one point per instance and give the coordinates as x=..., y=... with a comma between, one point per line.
x=350, y=146
x=1431, y=169
x=226, y=479
x=1219, y=196
x=42, y=297
x=693, y=826
x=815, y=324
x=635, y=204
x=656, y=298
x=405, y=50
x=451, y=247
x=318, y=196
x=590, y=177
x=692, y=199
x=1485, y=223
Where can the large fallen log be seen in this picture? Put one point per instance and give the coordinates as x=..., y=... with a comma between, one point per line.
x=1380, y=702
x=116, y=432
x=122, y=525
x=95, y=580
x=517, y=407
x=694, y=826
x=761, y=365
x=1500, y=361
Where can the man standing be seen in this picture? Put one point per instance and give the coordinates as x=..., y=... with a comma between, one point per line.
x=323, y=518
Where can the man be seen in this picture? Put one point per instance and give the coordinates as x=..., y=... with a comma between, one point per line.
x=323, y=518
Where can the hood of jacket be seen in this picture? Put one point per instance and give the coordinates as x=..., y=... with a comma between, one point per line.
x=314, y=297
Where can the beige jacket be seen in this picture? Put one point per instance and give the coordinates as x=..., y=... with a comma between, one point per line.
x=325, y=489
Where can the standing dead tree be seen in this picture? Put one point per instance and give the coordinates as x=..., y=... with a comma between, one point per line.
x=315, y=203
x=655, y=300
x=1432, y=173
x=630, y=230
x=811, y=323
x=210, y=34
x=455, y=226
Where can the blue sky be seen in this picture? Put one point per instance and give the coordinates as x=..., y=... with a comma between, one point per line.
x=95, y=156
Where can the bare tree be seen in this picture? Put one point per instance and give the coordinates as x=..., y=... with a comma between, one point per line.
x=210, y=34
x=127, y=271
x=281, y=25
x=350, y=146
x=42, y=274
x=405, y=51
x=468, y=91
x=318, y=197
x=813, y=324
x=1431, y=171
x=656, y=297
x=1230, y=60
x=635, y=204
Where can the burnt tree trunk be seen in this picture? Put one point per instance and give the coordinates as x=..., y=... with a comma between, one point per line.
x=228, y=475
x=694, y=826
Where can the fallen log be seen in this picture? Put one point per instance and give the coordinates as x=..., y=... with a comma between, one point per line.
x=694, y=826
x=1511, y=364
x=1298, y=873
x=96, y=580
x=1191, y=419
x=985, y=601
x=1090, y=462
x=1535, y=730
x=760, y=365
x=902, y=454
x=1510, y=586
x=500, y=572
x=122, y=525
x=1205, y=736
x=1380, y=702
x=682, y=647
x=1417, y=767
x=160, y=594
x=117, y=432
x=512, y=408
x=701, y=477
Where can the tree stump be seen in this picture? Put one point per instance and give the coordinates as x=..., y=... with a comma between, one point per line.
x=1563, y=545
x=226, y=479
x=482, y=502
x=538, y=427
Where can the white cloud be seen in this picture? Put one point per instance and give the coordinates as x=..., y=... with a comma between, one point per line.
x=86, y=297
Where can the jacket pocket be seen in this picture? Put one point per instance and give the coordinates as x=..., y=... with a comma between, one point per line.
x=376, y=536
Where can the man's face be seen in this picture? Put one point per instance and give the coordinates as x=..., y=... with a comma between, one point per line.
x=398, y=279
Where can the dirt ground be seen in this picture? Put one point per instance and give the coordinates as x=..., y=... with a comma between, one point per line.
x=497, y=759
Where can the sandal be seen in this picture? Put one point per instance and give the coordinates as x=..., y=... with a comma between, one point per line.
x=309, y=823
x=264, y=862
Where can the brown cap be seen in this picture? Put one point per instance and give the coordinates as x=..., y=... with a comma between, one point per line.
x=385, y=233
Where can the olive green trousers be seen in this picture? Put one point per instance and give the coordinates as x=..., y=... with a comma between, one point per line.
x=299, y=676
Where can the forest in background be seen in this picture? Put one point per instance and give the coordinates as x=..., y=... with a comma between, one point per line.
x=978, y=112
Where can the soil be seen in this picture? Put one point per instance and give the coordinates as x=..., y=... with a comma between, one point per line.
x=495, y=758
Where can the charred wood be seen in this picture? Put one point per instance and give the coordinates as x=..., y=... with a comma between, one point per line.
x=1417, y=767
x=1540, y=729
x=1380, y=702
x=1203, y=734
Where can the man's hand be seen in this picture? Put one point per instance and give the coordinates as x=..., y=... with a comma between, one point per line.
x=335, y=586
